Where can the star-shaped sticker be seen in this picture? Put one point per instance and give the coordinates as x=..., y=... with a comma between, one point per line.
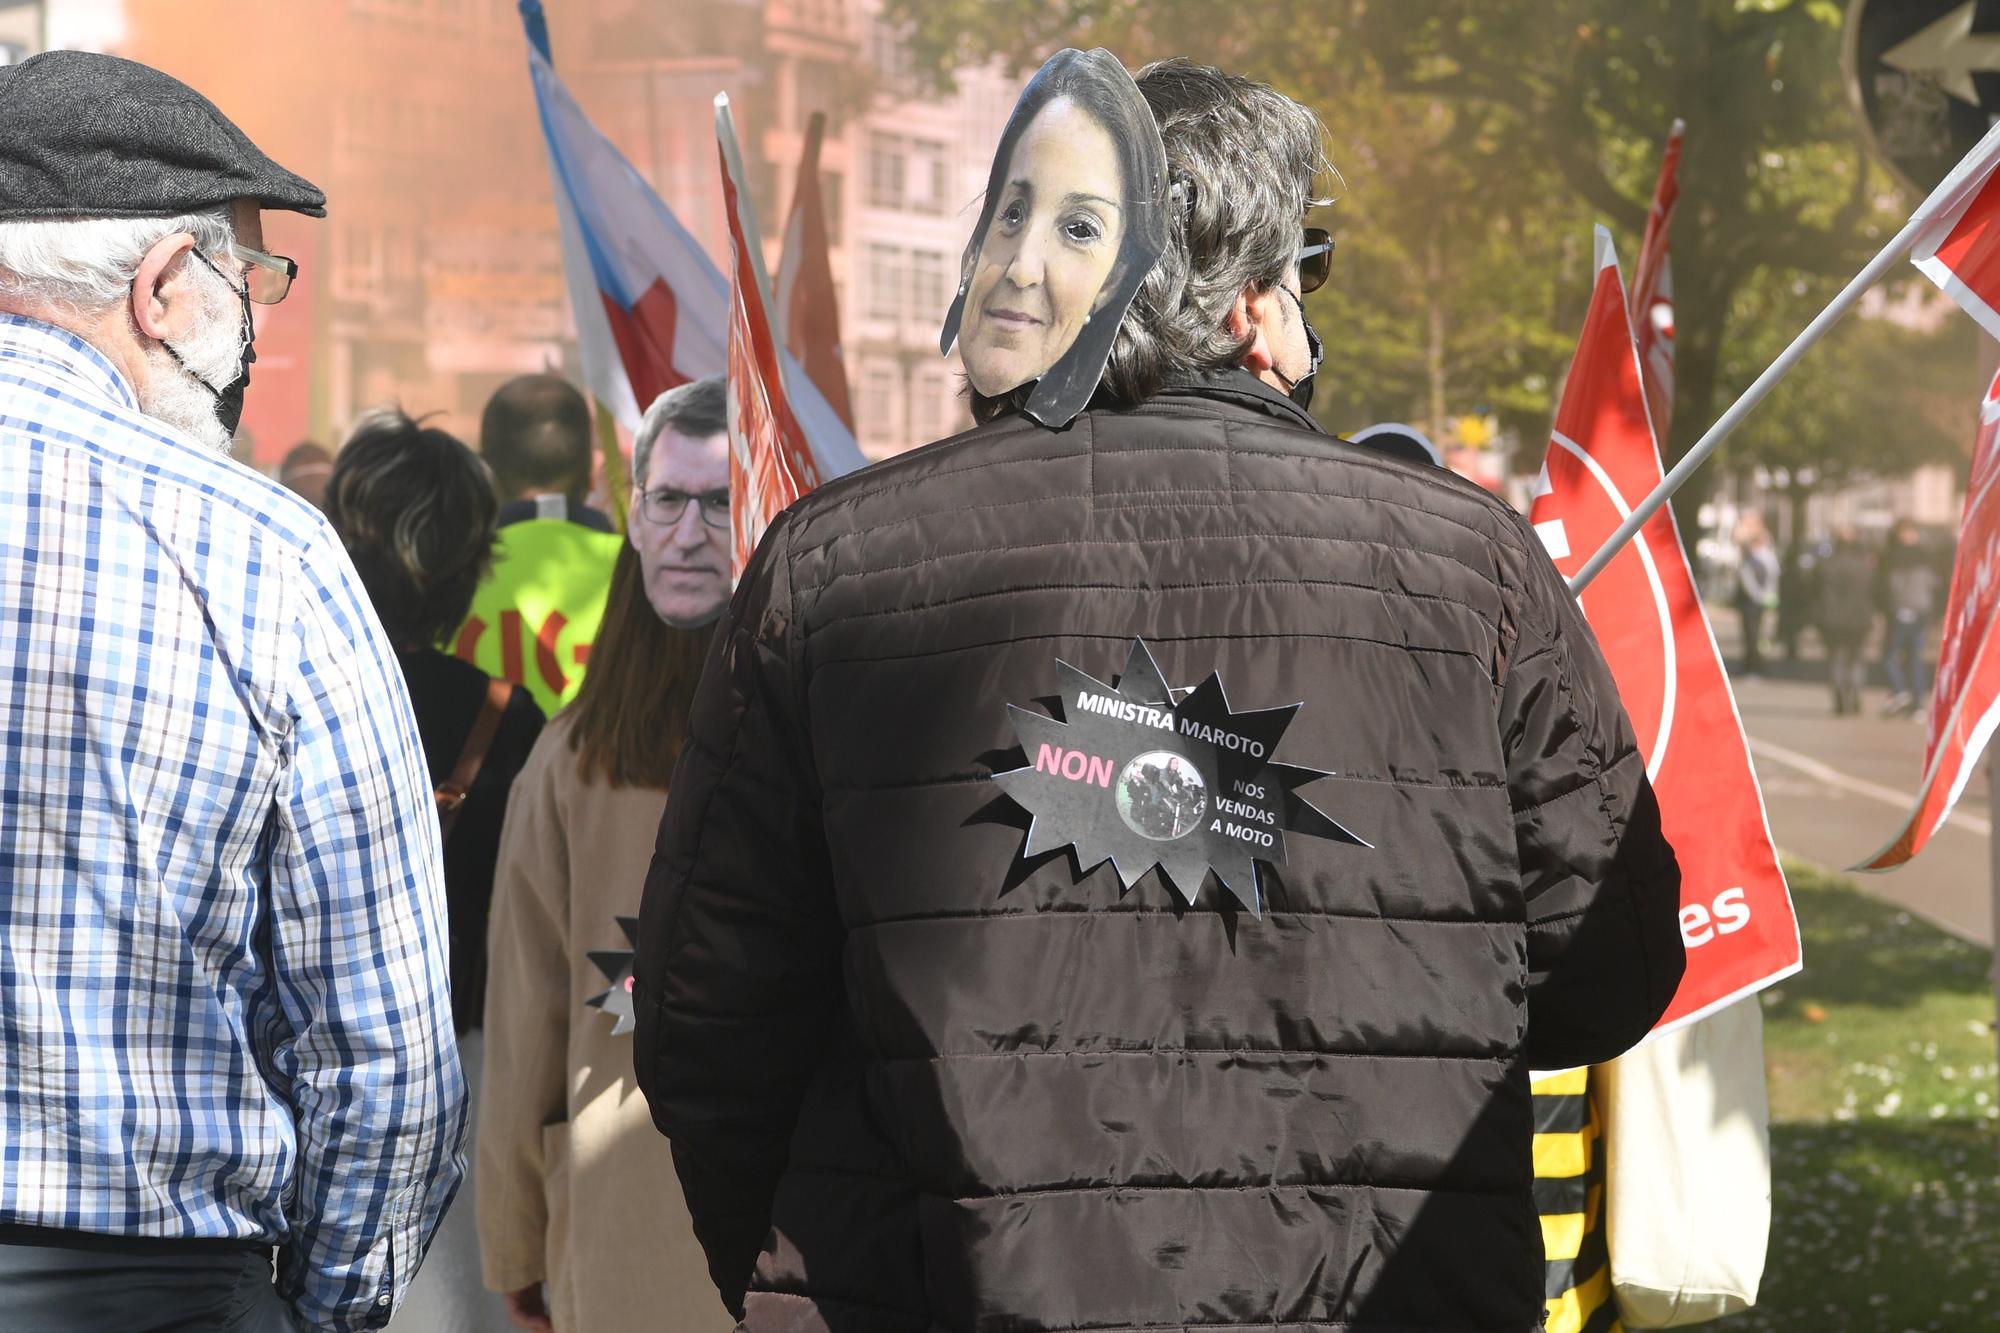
x=617, y=965
x=1142, y=776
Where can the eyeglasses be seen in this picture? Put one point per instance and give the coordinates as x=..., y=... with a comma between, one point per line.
x=1315, y=258
x=268, y=277
x=664, y=506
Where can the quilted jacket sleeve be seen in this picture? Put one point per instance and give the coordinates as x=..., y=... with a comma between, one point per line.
x=1601, y=883
x=738, y=965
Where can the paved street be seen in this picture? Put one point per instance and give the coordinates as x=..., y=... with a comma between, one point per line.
x=1836, y=789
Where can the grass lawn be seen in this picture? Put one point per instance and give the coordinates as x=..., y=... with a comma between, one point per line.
x=1885, y=1128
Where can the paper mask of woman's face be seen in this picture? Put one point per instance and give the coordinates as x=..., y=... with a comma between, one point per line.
x=1044, y=259
x=1073, y=221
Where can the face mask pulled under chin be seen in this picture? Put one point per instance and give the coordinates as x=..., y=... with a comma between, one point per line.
x=1301, y=390
x=228, y=398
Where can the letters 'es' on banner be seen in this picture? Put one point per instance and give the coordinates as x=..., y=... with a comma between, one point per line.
x=1736, y=912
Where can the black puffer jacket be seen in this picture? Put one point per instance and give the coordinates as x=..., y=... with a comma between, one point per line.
x=920, y=1083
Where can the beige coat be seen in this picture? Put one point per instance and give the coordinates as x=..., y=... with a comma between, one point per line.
x=575, y=1186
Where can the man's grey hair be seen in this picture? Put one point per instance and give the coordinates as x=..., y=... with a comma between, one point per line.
x=1243, y=161
x=85, y=264
x=696, y=409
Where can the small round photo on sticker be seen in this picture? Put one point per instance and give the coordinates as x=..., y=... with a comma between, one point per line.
x=1161, y=796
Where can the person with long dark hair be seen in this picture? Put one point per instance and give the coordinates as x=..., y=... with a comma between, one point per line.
x=415, y=510
x=580, y=1219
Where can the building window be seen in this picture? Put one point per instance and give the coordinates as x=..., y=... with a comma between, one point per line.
x=878, y=404
x=891, y=58
x=884, y=284
x=832, y=204
x=927, y=285
x=885, y=171
x=930, y=406
x=929, y=172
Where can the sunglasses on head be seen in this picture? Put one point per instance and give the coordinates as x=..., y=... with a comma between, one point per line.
x=1315, y=258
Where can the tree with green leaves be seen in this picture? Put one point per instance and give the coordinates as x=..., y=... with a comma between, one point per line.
x=1480, y=138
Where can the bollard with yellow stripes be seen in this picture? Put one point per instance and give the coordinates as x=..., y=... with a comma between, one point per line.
x=1569, y=1195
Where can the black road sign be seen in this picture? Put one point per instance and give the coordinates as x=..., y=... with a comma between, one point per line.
x=1925, y=75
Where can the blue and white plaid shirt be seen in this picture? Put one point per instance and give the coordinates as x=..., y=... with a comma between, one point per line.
x=223, y=997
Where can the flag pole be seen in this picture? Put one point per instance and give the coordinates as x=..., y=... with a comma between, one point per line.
x=1993, y=860
x=725, y=133
x=1885, y=260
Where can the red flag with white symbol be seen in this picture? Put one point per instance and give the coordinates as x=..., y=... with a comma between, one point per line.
x=1653, y=290
x=1736, y=912
x=1965, y=697
x=771, y=463
x=1960, y=249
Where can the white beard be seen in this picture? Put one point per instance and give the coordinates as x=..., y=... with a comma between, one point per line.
x=213, y=351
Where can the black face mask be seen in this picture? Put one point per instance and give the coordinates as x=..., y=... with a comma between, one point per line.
x=1300, y=390
x=228, y=398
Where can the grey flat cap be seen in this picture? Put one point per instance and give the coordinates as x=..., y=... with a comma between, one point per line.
x=91, y=136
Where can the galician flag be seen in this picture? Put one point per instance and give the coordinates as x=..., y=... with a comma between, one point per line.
x=1736, y=912
x=651, y=308
x=1965, y=698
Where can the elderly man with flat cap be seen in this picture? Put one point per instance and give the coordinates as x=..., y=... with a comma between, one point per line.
x=224, y=1024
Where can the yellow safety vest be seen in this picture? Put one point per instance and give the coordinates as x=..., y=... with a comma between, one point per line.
x=536, y=615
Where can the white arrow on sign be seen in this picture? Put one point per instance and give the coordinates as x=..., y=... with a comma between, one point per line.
x=1948, y=52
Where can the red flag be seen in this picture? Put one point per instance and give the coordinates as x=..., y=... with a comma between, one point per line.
x=1960, y=248
x=770, y=462
x=806, y=301
x=1653, y=290
x=1736, y=913
x=1965, y=698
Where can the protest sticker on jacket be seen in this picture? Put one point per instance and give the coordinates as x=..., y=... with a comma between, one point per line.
x=1074, y=220
x=1142, y=776
x=616, y=965
x=1736, y=911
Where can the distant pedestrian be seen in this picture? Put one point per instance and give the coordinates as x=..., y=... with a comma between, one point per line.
x=1845, y=616
x=1756, y=588
x=534, y=620
x=1795, y=595
x=304, y=472
x=1907, y=588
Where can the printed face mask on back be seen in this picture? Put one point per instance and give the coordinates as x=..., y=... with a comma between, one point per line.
x=1074, y=220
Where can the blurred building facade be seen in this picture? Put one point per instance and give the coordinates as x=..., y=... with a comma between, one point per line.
x=437, y=273
x=22, y=31
x=901, y=169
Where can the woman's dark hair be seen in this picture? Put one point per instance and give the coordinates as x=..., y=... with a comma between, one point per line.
x=416, y=511
x=631, y=712
x=1096, y=82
